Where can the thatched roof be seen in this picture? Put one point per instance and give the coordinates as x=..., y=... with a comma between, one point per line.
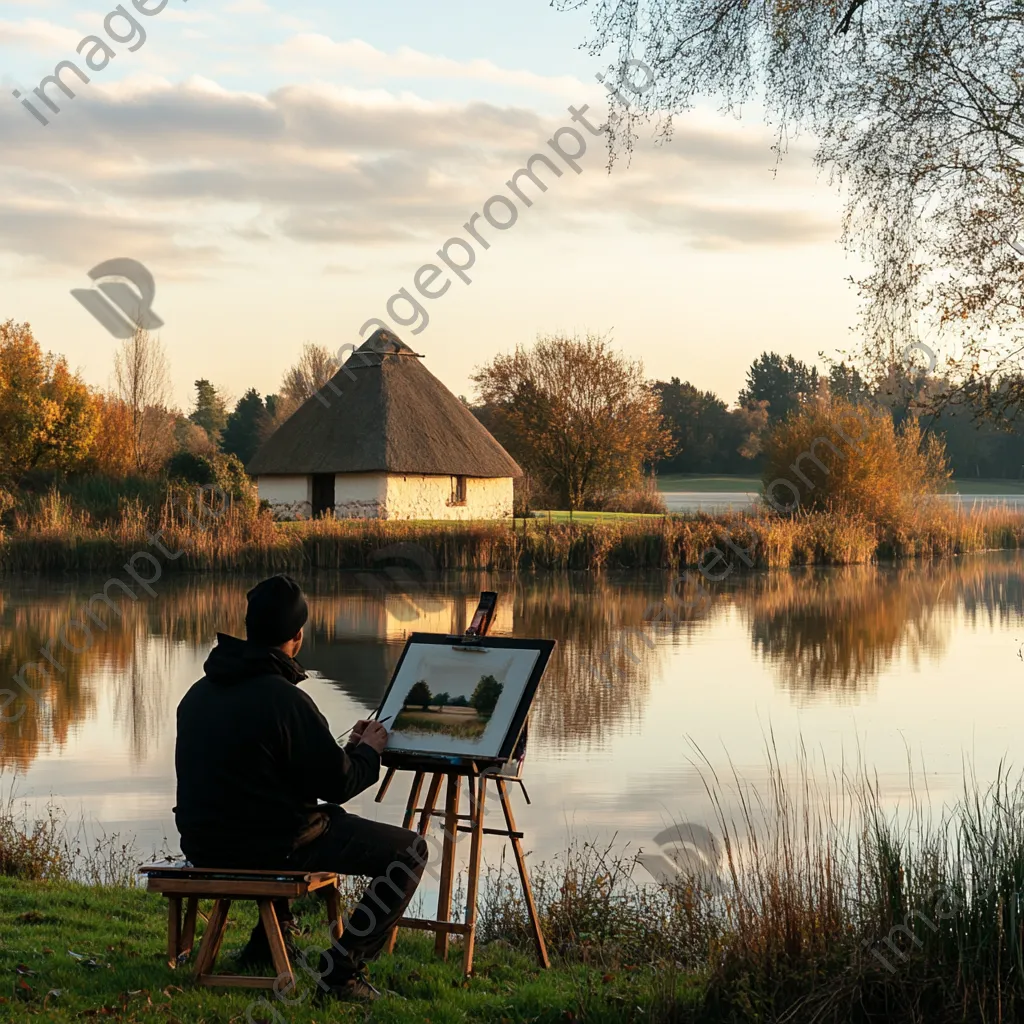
x=394, y=417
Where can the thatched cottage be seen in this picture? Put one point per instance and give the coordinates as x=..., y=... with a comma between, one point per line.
x=384, y=439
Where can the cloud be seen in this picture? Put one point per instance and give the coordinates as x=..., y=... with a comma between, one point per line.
x=187, y=171
x=308, y=50
x=33, y=34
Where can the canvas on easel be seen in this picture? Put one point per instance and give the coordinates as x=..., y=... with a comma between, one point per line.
x=461, y=698
x=458, y=707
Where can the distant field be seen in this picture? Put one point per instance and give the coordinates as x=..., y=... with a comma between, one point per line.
x=986, y=487
x=590, y=517
x=703, y=484
x=463, y=724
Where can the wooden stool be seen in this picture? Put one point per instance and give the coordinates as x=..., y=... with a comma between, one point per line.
x=223, y=886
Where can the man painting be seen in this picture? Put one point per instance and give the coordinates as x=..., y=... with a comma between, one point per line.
x=254, y=756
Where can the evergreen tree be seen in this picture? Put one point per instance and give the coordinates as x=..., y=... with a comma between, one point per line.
x=246, y=427
x=785, y=383
x=210, y=412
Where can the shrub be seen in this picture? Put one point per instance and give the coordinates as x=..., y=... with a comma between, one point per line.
x=832, y=455
x=191, y=468
x=646, y=499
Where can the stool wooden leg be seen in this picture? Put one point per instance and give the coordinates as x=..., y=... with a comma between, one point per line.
x=188, y=931
x=278, y=952
x=173, y=929
x=209, y=946
x=333, y=900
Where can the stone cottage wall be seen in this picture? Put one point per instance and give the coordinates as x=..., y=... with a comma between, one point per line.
x=290, y=497
x=430, y=497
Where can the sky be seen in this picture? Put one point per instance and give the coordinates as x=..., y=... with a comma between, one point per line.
x=284, y=170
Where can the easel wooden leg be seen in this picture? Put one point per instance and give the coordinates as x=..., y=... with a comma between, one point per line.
x=517, y=850
x=444, y=896
x=410, y=813
x=475, y=855
x=430, y=803
x=414, y=796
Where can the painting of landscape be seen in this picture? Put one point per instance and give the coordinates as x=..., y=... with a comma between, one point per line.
x=426, y=712
x=453, y=701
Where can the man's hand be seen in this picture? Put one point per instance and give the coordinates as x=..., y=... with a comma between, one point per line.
x=374, y=735
x=358, y=729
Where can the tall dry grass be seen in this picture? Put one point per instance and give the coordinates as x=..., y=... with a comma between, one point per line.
x=56, y=536
x=816, y=901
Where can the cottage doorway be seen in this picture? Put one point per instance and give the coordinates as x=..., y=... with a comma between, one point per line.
x=323, y=494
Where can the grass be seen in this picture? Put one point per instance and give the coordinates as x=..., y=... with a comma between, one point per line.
x=437, y=722
x=808, y=899
x=970, y=485
x=700, y=484
x=561, y=516
x=56, y=537
x=123, y=931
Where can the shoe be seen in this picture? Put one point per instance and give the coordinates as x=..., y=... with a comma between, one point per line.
x=356, y=989
x=256, y=952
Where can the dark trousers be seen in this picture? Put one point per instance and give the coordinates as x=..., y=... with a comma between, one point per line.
x=394, y=858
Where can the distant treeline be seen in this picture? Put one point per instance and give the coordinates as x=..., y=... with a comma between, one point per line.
x=711, y=437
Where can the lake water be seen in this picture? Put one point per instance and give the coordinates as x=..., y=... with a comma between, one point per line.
x=714, y=502
x=871, y=663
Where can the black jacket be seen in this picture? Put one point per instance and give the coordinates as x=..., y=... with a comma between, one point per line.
x=253, y=756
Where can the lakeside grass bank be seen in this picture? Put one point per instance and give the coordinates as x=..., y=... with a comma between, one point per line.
x=181, y=536
x=808, y=900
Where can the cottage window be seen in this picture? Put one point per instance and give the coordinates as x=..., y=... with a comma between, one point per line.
x=459, y=490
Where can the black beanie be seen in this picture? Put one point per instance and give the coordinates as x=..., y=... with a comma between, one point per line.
x=277, y=611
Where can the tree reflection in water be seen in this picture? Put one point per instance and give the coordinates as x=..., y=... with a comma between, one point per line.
x=829, y=635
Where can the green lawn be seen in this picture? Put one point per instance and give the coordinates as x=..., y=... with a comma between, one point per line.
x=122, y=932
x=587, y=517
x=975, y=486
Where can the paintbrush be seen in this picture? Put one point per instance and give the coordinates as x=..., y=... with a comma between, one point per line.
x=381, y=721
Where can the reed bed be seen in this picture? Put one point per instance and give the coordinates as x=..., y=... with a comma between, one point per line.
x=55, y=536
x=813, y=900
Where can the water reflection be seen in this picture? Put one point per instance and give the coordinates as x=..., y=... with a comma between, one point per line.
x=833, y=632
x=828, y=635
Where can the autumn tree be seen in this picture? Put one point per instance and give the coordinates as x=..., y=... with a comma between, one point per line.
x=316, y=366
x=575, y=413
x=916, y=107
x=112, y=453
x=141, y=380
x=834, y=455
x=48, y=419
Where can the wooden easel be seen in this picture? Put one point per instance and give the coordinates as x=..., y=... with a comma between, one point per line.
x=454, y=823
